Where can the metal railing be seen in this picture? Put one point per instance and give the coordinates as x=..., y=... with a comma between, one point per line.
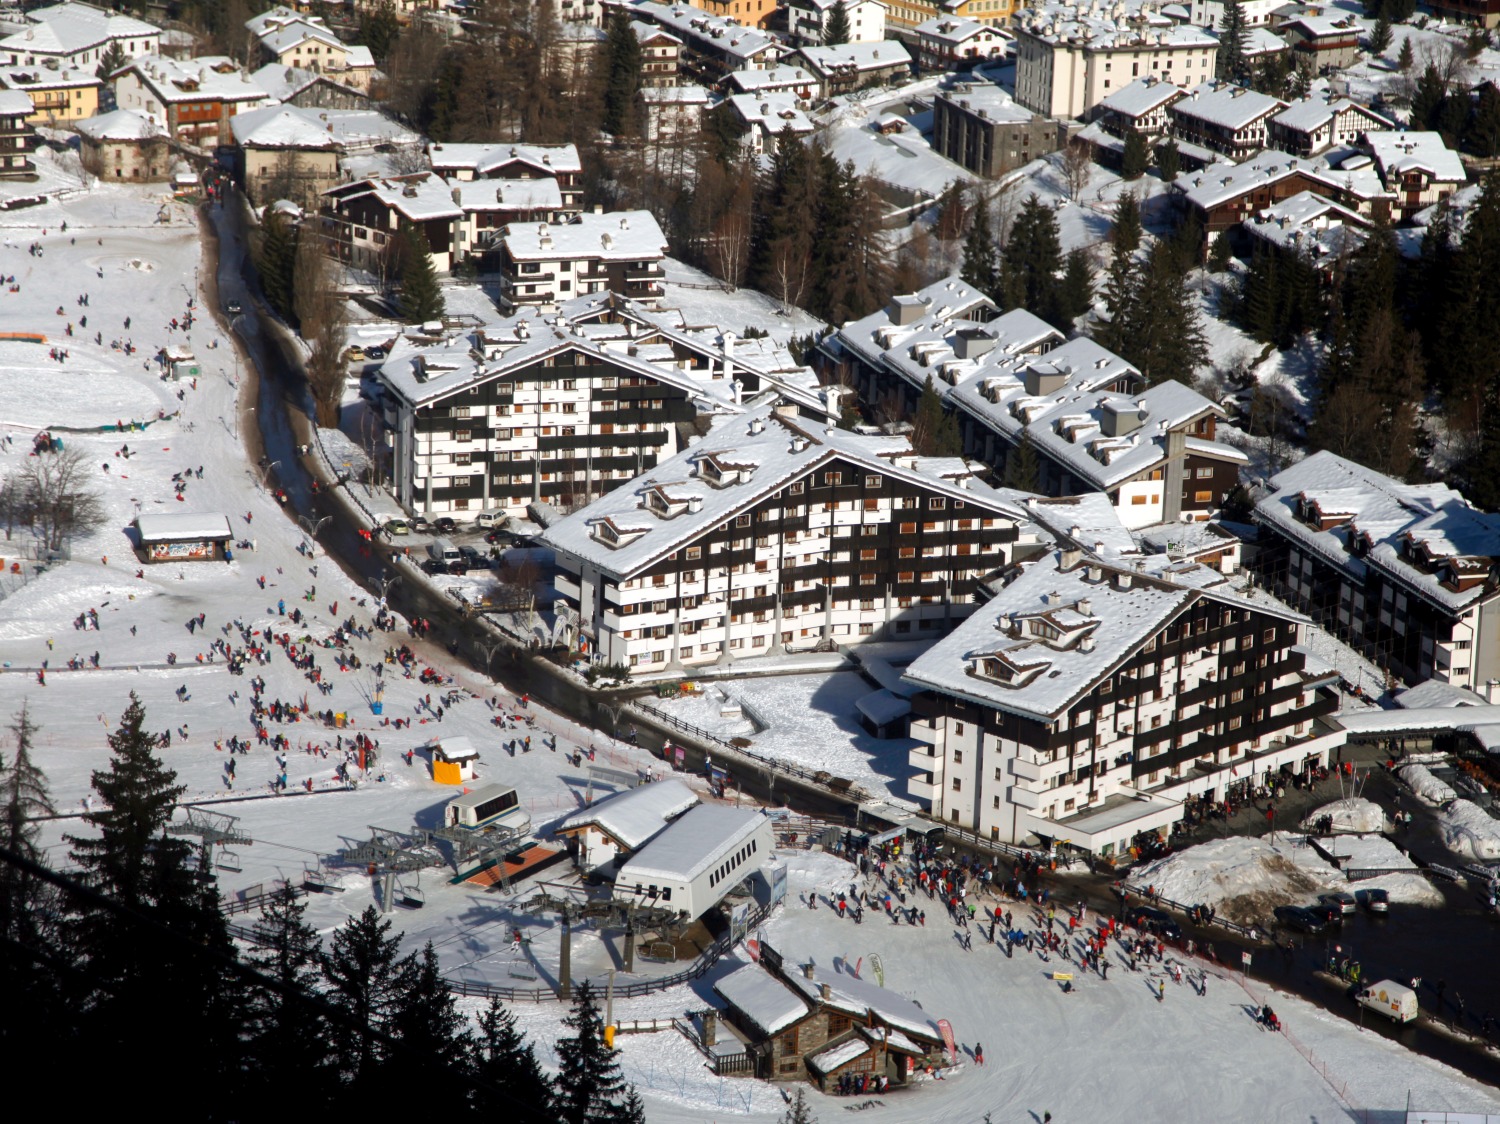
x=1247, y=931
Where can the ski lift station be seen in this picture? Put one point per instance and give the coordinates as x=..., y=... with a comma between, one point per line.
x=610, y=830
x=453, y=760
x=488, y=807
x=694, y=864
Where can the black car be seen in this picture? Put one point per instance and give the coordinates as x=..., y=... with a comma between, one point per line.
x=1328, y=913
x=472, y=557
x=444, y=525
x=434, y=566
x=459, y=566
x=1150, y=920
x=232, y=308
x=498, y=537
x=1301, y=919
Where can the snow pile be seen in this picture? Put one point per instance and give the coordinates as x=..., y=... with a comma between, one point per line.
x=1369, y=852
x=1469, y=831
x=1244, y=879
x=1426, y=786
x=1350, y=814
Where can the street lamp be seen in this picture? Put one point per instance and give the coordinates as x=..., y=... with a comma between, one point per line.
x=386, y=584
x=313, y=526
x=265, y=473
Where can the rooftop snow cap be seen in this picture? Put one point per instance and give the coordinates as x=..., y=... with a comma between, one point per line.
x=1044, y=378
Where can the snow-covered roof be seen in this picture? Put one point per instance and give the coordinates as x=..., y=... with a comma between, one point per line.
x=453, y=749
x=483, y=159
x=719, y=34
x=956, y=30
x=1399, y=153
x=689, y=93
x=769, y=78
x=648, y=31
x=1217, y=184
x=1225, y=105
x=692, y=843
x=45, y=78
x=1129, y=24
x=988, y=99
x=762, y=998
x=206, y=78
x=771, y=111
x=282, y=82
x=1309, y=224
x=120, y=125
x=288, y=35
x=183, y=526
x=420, y=197
x=830, y=1058
x=1263, y=41
x=1046, y=639
x=615, y=236
x=1424, y=537
x=280, y=126
x=631, y=818
x=857, y=996
x=280, y=16
x=1324, y=27
x=830, y=62
x=882, y=707
x=65, y=29
x=1435, y=693
x=15, y=103
x=742, y=461
x=541, y=194
x=1316, y=111
x=1142, y=96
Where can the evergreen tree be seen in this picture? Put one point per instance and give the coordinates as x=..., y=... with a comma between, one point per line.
x=1076, y=293
x=364, y=983
x=622, y=76
x=1380, y=37
x=836, y=29
x=287, y=1035
x=110, y=61
x=1022, y=471
x=1137, y=156
x=798, y=1111
x=589, y=1087
x=1299, y=82
x=24, y=789
x=1127, y=232
x=981, y=264
x=506, y=1064
x=785, y=222
x=1220, y=252
x=379, y=30
x=1262, y=296
x=1159, y=328
x=1120, y=283
x=1427, y=100
x=421, y=298
x=1231, y=61
x=1030, y=262
x=431, y=1036
x=1484, y=132
x=1405, y=58
x=934, y=431
x=277, y=264
x=1168, y=160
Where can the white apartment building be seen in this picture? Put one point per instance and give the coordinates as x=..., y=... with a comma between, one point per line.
x=806, y=20
x=1210, y=13
x=779, y=533
x=467, y=161
x=1069, y=59
x=77, y=35
x=544, y=263
x=1086, y=701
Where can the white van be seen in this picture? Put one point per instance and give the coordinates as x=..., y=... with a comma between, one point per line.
x=1393, y=1000
x=487, y=519
x=442, y=550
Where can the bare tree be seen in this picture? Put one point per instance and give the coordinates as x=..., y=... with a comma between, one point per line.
x=55, y=502
x=1077, y=163
x=790, y=263
x=407, y=159
x=321, y=317
x=729, y=247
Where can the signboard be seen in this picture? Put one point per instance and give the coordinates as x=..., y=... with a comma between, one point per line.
x=778, y=882
x=681, y=754
x=180, y=551
x=945, y=1028
x=878, y=968
x=739, y=922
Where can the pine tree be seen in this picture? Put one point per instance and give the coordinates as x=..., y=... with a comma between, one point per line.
x=622, y=76
x=785, y=222
x=1484, y=133
x=1075, y=295
x=1137, y=156
x=110, y=61
x=798, y=1111
x=421, y=297
x=1127, y=232
x=364, y=980
x=836, y=29
x=1022, y=472
x=981, y=264
x=23, y=787
x=1220, y=252
x=1031, y=260
x=506, y=1064
x=1231, y=61
x=288, y=1036
x=927, y=426
x=1119, y=292
x=1405, y=58
x=1380, y=37
x=1428, y=99
x=1299, y=82
x=1165, y=338
x=1168, y=161
x=589, y=1087
x=379, y=30
x=431, y=1036
x=1262, y=296
x=277, y=263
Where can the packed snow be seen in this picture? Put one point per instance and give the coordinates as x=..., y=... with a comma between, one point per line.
x=1469, y=831
x=1352, y=813
x=1426, y=786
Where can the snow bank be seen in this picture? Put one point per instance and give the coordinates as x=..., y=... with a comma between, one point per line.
x=1469, y=831
x=1426, y=786
x=1349, y=814
x=1244, y=879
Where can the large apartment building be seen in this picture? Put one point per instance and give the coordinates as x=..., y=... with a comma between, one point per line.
x=542, y=264
x=194, y=99
x=978, y=125
x=776, y=533
x=1087, y=701
x=1068, y=59
x=1406, y=573
x=563, y=408
x=75, y=35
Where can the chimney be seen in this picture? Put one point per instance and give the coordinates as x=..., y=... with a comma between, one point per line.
x=710, y=1027
x=757, y=425
x=825, y=992
x=807, y=970
x=1069, y=558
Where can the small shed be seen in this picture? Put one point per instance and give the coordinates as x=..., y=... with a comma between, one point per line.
x=183, y=536
x=180, y=362
x=884, y=714
x=453, y=760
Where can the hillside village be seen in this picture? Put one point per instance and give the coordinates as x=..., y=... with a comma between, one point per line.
x=783, y=467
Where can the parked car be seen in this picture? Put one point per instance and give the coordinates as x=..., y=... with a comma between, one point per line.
x=1150, y=920
x=421, y=526
x=1376, y=900
x=1330, y=914
x=498, y=537
x=445, y=525
x=354, y=353
x=397, y=527
x=374, y=353
x=434, y=566
x=459, y=566
x=475, y=560
x=1299, y=918
x=485, y=520
x=1343, y=901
